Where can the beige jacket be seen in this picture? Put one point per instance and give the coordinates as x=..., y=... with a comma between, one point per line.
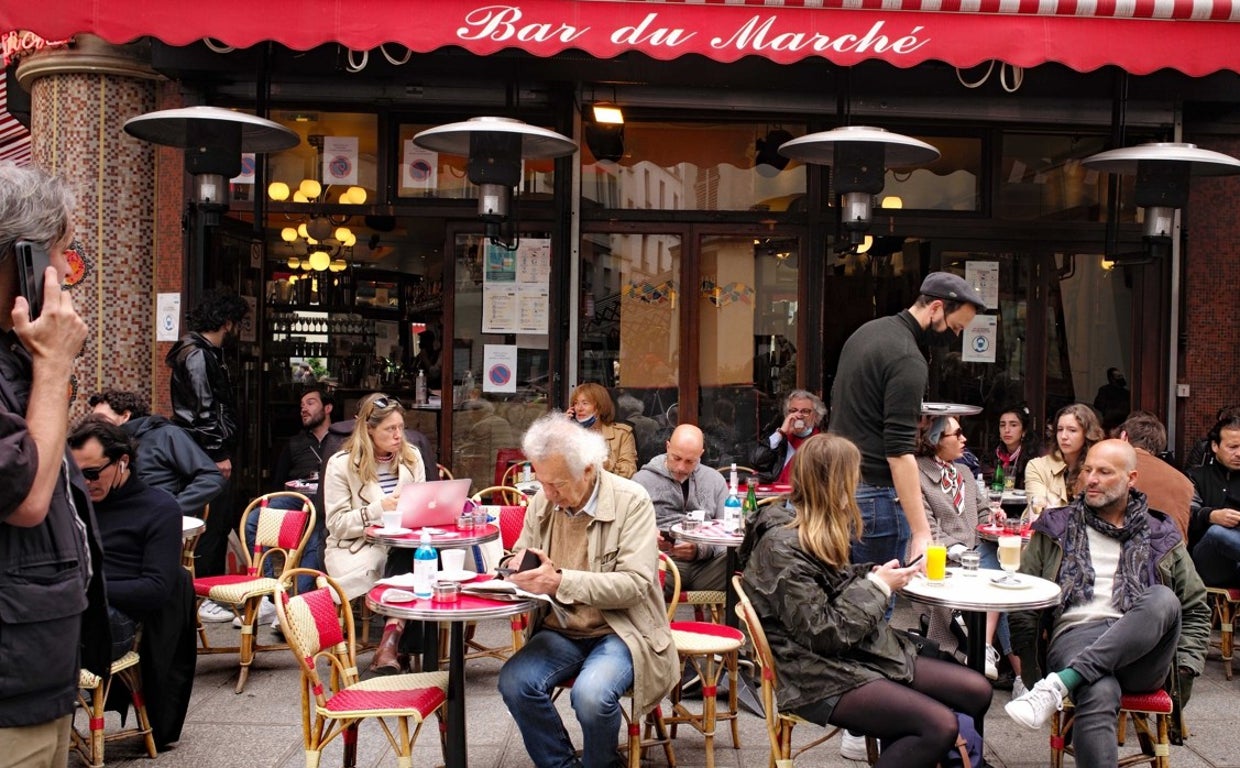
x=621, y=449
x=1047, y=476
x=350, y=507
x=622, y=581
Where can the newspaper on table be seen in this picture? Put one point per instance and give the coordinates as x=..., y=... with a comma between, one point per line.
x=499, y=589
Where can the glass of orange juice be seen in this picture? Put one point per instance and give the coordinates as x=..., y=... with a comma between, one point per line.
x=936, y=562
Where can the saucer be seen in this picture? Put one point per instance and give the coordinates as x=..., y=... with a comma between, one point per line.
x=461, y=575
x=398, y=596
x=1005, y=585
x=397, y=531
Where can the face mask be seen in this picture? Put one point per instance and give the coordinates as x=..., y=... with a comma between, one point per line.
x=805, y=432
x=588, y=422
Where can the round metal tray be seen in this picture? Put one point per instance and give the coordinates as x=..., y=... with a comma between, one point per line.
x=949, y=409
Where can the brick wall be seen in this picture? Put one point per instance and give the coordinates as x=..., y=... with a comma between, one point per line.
x=168, y=178
x=1210, y=324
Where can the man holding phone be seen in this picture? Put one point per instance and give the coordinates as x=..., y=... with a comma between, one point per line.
x=52, y=604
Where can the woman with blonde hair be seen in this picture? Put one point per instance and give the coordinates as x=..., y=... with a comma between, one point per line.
x=361, y=482
x=591, y=407
x=839, y=661
x=1054, y=476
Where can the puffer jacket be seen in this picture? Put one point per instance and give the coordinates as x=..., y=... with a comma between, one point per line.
x=202, y=395
x=168, y=458
x=825, y=625
x=1170, y=565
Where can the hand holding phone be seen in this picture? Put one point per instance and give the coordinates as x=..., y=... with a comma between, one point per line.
x=32, y=262
x=914, y=561
x=529, y=561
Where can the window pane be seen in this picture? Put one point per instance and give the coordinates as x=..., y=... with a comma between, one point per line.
x=747, y=332
x=486, y=419
x=1041, y=177
x=422, y=173
x=305, y=161
x=951, y=183
x=695, y=166
x=630, y=329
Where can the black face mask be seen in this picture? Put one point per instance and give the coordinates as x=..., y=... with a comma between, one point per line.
x=943, y=338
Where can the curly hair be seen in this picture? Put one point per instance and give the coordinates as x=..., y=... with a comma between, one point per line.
x=120, y=400
x=216, y=309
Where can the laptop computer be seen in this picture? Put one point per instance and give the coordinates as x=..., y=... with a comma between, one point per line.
x=434, y=503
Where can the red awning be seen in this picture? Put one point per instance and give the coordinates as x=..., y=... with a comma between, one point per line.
x=1196, y=37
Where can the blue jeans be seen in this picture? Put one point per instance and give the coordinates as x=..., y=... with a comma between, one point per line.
x=885, y=533
x=1217, y=556
x=603, y=672
x=990, y=559
x=311, y=556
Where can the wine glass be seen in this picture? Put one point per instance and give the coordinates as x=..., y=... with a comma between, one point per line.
x=1009, y=558
x=995, y=499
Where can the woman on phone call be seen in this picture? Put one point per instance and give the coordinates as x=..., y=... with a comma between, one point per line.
x=840, y=662
x=591, y=408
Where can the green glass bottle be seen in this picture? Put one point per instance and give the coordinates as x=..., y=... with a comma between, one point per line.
x=751, y=500
x=997, y=485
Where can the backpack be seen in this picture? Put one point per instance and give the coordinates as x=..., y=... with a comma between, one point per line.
x=967, y=753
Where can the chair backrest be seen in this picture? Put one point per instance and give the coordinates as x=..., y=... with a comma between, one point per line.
x=511, y=521
x=515, y=473
x=668, y=570
x=318, y=626
x=285, y=521
x=740, y=471
x=504, y=457
x=769, y=500
x=504, y=494
x=762, y=654
x=444, y=473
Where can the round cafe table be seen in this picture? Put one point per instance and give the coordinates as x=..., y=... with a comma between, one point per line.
x=711, y=532
x=988, y=532
x=191, y=529
x=467, y=608
x=450, y=538
x=975, y=595
x=307, y=487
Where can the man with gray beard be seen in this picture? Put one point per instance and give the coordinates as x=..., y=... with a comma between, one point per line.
x=1132, y=607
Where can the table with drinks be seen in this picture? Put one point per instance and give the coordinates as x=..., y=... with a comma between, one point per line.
x=715, y=533
x=447, y=603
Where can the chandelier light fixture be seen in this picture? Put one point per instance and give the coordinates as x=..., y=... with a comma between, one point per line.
x=320, y=240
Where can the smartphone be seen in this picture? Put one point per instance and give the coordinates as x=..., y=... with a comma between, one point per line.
x=530, y=561
x=915, y=561
x=32, y=262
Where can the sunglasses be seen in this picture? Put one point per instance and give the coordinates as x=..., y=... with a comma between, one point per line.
x=92, y=473
x=383, y=403
x=957, y=433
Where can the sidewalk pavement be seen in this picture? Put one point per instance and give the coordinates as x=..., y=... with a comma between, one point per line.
x=262, y=727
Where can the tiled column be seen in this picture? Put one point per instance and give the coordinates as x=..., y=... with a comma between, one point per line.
x=80, y=99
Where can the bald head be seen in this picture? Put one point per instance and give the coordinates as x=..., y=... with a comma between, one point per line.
x=1120, y=452
x=1110, y=469
x=684, y=451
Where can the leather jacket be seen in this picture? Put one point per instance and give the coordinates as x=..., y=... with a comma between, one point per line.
x=202, y=395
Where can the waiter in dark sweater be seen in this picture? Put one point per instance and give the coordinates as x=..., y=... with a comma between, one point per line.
x=141, y=531
x=876, y=403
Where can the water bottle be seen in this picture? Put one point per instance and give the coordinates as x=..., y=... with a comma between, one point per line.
x=467, y=384
x=419, y=388
x=732, y=505
x=425, y=567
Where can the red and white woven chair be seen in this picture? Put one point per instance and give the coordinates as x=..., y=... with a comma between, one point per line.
x=93, y=695
x=280, y=539
x=1154, y=738
x=319, y=628
x=709, y=649
x=1223, y=602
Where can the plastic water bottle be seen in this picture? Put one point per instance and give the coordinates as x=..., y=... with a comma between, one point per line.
x=419, y=388
x=732, y=505
x=425, y=567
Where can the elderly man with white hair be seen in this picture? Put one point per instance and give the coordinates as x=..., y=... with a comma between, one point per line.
x=595, y=538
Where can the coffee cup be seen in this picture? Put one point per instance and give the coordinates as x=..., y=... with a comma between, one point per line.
x=452, y=560
x=391, y=519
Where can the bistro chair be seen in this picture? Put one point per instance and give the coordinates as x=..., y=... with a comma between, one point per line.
x=779, y=725
x=1154, y=738
x=444, y=472
x=278, y=543
x=92, y=697
x=740, y=470
x=503, y=495
x=1223, y=602
x=319, y=627
x=709, y=649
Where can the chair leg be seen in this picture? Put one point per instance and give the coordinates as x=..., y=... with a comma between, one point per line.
x=98, y=697
x=349, y=738
x=1121, y=728
x=248, y=619
x=1057, y=740
x=1162, y=750
x=132, y=679
x=1226, y=628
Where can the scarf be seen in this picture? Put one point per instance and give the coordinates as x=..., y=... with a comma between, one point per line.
x=1133, y=575
x=1008, y=460
x=794, y=442
x=949, y=481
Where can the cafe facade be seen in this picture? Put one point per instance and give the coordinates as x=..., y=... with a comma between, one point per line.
x=677, y=258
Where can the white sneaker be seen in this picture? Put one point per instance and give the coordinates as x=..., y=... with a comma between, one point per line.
x=266, y=613
x=852, y=747
x=1034, y=708
x=992, y=662
x=1018, y=687
x=214, y=613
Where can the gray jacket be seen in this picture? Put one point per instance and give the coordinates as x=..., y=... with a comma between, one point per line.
x=707, y=492
x=168, y=458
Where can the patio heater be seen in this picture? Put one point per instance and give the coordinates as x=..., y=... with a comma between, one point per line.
x=1163, y=170
x=859, y=157
x=495, y=147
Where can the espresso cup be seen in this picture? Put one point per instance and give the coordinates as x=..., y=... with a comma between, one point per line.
x=391, y=519
x=452, y=559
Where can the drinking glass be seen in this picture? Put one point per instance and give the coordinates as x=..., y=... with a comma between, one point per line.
x=995, y=500
x=936, y=563
x=1036, y=505
x=1009, y=558
x=969, y=562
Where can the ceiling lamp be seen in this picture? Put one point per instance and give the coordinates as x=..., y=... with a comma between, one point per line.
x=278, y=191
x=607, y=113
x=859, y=157
x=320, y=260
x=1163, y=170
x=495, y=147
x=288, y=234
x=892, y=201
x=293, y=262
x=338, y=265
x=213, y=140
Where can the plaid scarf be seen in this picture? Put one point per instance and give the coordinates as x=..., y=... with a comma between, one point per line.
x=1133, y=575
x=949, y=481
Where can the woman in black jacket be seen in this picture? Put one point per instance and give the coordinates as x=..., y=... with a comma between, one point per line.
x=839, y=660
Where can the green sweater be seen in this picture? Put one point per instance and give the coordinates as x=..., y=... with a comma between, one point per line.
x=876, y=399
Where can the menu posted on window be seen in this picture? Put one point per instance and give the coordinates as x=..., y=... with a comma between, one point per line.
x=515, y=288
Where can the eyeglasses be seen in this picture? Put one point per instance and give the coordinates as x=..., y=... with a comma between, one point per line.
x=92, y=473
x=957, y=433
x=800, y=411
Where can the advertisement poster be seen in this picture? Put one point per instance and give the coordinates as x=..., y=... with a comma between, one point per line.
x=418, y=168
x=514, y=288
x=499, y=368
x=979, y=338
x=167, y=316
x=339, y=160
x=984, y=277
